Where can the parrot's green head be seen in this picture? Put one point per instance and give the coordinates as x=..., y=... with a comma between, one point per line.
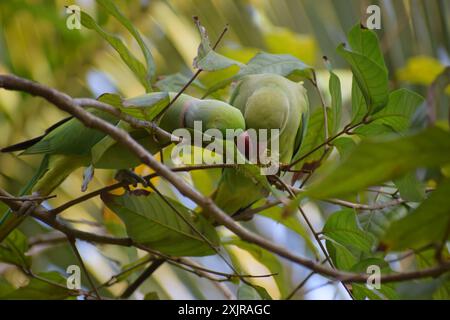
x=270, y=101
x=215, y=114
x=212, y=114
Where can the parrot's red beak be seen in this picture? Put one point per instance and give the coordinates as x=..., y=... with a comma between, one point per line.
x=249, y=146
x=243, y=143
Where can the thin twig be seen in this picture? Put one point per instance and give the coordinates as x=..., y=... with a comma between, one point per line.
x=193, y=228
x=83, y=266
x=301, y=284
x=313, y=231
x=115, y=278
x=192, y=79
x=28, y=198
x=134, y=122
x=141, y=279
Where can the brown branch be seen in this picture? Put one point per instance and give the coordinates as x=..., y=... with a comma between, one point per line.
x=302, y=284
x=28, y=198
x=134, y=122
x=41, y=214
x=141, y=279
x=115, y=278
x=359, y=206
x=47, y=239
x=66, y=103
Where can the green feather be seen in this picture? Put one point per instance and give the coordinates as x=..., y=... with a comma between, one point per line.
x=71, y=138
x=268, y=102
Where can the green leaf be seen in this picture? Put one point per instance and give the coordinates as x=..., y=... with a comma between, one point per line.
x=426, y=224
x=426, y=259
x=290, y=222
x=336, y=102
x=52, y=288
x=344, y=145
x=315, y=136
x=266, y=258
x=372, y=79
x=365, y=42
x=144, y=107
x=5, y=287
x=377, y=222
x=151, y=221
x=359, y=106
x=376, y=161
x=396, y=116
x=343, y=228
x=281, y=64
x=112, y=9
x=151, y=296
x=420, y=290
x=410, y=188
x=214, y=61
x=207, y=59
x=361, y=291
x=342, y=257
x=254, y=292
x=246, y=168
x=13, y=248
x=130, y=60
x=346, y=242
x=175, y=82
x=368, y=67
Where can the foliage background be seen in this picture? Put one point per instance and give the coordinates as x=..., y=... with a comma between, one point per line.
x=35, y=43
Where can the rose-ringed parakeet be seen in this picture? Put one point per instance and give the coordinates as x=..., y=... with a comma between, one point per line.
x=267, y=101
x=68, y=145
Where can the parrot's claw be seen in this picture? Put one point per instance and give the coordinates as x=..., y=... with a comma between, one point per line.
x=130, y=178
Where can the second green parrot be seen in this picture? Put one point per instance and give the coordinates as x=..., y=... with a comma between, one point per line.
x=267, y=101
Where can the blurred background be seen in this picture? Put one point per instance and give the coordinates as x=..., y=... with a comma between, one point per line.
x=36, y=43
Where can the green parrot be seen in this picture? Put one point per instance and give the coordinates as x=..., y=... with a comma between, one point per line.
x=69, y=145
x=267, y=101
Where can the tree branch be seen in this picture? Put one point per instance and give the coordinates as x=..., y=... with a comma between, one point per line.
x=66, y=103
x=141, y=279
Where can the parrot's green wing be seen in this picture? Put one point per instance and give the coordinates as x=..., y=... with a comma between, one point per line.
x=71, y=138
x=267, y=101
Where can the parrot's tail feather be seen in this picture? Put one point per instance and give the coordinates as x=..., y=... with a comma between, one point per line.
x=22, y=145
x=28, y=143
